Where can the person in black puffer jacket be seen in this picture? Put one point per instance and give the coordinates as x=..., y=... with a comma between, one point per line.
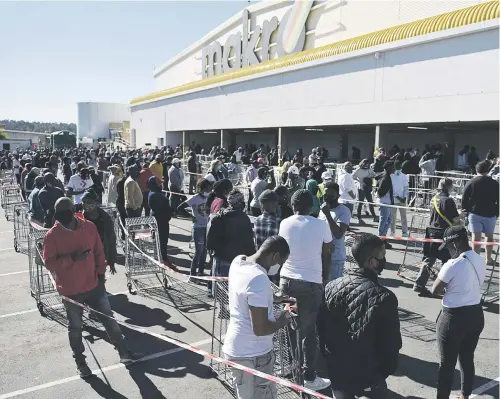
x=358, y=326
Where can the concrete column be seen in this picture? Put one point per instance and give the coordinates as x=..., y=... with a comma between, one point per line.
x=279, y=146
x=221, y=138
x=344, y=146
x=183, y=145
x=381, y=137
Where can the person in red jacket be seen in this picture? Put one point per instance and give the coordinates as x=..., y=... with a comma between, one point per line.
x=74, y=255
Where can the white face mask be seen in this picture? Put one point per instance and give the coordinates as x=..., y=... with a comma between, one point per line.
x=273, y=270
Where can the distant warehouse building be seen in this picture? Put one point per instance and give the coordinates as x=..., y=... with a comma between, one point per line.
x=102, y=122
x=335, y=74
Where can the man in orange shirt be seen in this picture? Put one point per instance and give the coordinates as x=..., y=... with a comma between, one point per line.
x=73, y=253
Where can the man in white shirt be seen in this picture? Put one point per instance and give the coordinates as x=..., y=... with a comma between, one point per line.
x=249, y=337
x=238, y=153
x=304, y=274
x=347, y=186
x=78, y=184
x=461, y=320
x=400, y=192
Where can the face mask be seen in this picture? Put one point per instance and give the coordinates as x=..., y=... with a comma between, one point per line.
x=398, y=172
x=381, y=265
x=453, y=251
x=84, y=176
x=273, y=270
x=64, y=217
x=348, y=170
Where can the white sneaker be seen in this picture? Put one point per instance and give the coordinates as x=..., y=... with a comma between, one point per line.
x=392, y=234
x=318, y=384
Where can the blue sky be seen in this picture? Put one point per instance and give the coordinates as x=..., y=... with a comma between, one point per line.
x=55, y=54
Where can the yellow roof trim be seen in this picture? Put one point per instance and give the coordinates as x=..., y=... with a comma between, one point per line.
x=465, y=16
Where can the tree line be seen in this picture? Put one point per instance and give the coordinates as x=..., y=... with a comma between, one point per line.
x=42, y=127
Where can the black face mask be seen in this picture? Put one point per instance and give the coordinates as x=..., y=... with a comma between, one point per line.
x=381, y=265
x=64, y=217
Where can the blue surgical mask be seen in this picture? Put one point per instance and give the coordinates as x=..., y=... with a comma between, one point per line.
x=398, y=172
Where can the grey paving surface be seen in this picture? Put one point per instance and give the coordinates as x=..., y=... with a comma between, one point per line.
x=36, y=362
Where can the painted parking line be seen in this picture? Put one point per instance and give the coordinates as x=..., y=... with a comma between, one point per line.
x=3, y=316
x=484, y=388
x=13, y=273
x=98, y=371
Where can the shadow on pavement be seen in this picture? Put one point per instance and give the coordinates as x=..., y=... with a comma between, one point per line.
x=102, y=389
x=426, y=373
x=142, y=315
x=179, y=237
x=416, y=326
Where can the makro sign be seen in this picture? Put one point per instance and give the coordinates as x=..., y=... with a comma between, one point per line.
x=239, y=49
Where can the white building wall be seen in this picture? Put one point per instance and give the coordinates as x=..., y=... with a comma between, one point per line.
x=94, y=118
x=328, y=22
x=447, y=79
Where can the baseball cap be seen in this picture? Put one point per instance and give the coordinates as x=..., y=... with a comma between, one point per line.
x=293, y=169
x=326, y=176
x=176, y=160
x=453, y=234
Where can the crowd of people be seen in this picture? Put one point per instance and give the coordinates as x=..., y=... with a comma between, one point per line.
x=301, y=213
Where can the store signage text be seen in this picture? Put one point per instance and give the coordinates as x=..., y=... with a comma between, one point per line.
x=239, y=50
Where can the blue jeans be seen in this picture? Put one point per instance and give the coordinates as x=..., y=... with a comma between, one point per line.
x=385, y=220
x=98, y=300
x=200, y=250
x=336, y=269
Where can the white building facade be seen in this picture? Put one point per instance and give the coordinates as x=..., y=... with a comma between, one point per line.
x=95, y=120
x=312, y=73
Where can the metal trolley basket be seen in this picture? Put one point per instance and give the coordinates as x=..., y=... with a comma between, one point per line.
x=143, y=232
x=40, y=281
x=11, y=195
x=286, y=364
x=21, y=228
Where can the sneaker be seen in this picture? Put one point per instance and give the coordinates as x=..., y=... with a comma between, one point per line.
x=318, y=384
x=367, y=213
x=423, y=291
x=375, y=219
x=405, y=235
x=130, y=357
x=392, y=234
x=361, y=222
x=387, y=245
x=83, y=370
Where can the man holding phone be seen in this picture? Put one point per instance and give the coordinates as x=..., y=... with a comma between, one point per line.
x=74, y=254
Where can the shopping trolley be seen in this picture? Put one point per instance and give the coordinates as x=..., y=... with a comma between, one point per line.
x=11, y=196
x=40, y=280
x=21, y=228
x=287, y=363
x=142, y=240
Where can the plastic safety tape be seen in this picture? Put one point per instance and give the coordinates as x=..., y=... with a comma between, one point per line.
x=169, y=270
x=201, y=352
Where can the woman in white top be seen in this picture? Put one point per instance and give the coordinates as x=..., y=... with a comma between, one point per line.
x=461, y=320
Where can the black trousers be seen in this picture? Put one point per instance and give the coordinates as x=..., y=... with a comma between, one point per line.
x=163, y=232
x=362, y=194
x=458, y=331
x=145, y=203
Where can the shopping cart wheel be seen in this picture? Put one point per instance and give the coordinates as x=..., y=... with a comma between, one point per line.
x=40, y=308
x=130, y=288
x=16, y=247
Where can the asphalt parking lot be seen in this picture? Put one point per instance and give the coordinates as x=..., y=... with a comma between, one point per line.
x=36, y=360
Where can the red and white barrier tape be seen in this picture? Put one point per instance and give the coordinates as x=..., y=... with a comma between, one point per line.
x=437, y=240
x=199, y=351
x=168, y=269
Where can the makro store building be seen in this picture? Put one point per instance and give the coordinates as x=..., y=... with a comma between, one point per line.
x=334, y=74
